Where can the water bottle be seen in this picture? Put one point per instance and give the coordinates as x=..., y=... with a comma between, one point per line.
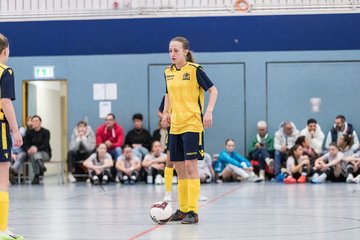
x=149, y=179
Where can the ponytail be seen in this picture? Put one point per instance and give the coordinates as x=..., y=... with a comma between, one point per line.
x=4, y=43
x=190, y=57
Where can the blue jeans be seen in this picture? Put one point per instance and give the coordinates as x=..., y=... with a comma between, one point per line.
x=261, y=154
x=279, y=158
x=115, y=153
x=140, y=152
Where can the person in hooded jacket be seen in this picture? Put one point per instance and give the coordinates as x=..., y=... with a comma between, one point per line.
x=284, y=139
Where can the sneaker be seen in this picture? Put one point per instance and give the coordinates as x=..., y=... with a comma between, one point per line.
x=132, y=180
x=178, y=216
x=105, y=180
x=125, y=180
x=289, y=180
x=167, y=197
x=117, y=180
x=71, y=178
x=95, y=180
x=302, y=179
x=202, y=198
x=88, y=180
x=356, y=179
x=158, y=180
x=350, y=178
x=279, y=177
x=8, y=235
x=190, y=218
x=255, y=179
x=316, y=180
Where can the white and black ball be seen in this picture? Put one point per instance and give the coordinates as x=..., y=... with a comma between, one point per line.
x=160, y=212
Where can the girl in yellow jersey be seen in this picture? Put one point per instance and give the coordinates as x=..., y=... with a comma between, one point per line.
x=8, y=123
x=186, y=83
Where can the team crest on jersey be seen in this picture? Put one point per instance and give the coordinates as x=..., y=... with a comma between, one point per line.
x=186, y=76
x=10, y=71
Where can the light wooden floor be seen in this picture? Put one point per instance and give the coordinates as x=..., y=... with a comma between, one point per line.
x=233, y=211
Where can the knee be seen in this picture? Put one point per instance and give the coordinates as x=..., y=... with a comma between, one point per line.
x=191, y=168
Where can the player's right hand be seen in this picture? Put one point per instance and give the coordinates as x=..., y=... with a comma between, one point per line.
x=165, y=121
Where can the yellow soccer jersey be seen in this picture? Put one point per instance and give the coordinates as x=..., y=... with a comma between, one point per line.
x=185, y=88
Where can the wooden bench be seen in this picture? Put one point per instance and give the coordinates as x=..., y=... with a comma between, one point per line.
x=27, y=174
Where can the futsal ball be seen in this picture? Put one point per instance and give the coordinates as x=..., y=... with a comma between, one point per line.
x=160, y=212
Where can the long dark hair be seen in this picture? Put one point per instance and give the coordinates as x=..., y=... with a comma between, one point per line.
x=292, y=152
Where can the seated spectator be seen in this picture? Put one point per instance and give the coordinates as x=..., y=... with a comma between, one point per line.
x=330, y=166
x=139, y=138
x=284, y=139
x=231, y=165
x=297, y=165
x=161, y=135
x=206, y=171
x=314, y=135
x=345, y=142
x=154, y=164
x=36, y=148
x=112, y=134
x=128, y=166
x=307, y=150
x=341, y=127
x=82, y=145
x=352, y=167
x=99, y=165
x=262, y=148
x=15, y=152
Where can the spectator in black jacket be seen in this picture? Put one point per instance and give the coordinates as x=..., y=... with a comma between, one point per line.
x=139, y=138
x=36, y=148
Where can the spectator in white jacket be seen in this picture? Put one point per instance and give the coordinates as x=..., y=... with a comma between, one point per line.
x=284, y=139
x=314, y=135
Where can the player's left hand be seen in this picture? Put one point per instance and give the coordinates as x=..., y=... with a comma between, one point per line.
x=207, y=119
x=18, y=140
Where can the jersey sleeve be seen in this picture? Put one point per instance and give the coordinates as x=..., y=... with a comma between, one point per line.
x=166, y=90
x=161, y=107
x=7, y=84
x=203, y=79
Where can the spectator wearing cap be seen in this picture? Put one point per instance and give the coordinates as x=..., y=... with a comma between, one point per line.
x=139, y=138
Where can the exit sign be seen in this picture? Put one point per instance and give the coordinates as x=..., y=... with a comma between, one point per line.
x=43, y=72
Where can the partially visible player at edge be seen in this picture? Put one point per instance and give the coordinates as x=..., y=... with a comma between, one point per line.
x=8, y=123
x=186, y=83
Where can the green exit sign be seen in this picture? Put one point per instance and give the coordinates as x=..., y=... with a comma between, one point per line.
x=43, y=72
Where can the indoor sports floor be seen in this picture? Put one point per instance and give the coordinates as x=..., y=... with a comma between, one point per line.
x=233, y=211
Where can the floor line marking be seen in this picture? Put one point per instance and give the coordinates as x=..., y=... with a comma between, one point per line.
x=212, y=201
